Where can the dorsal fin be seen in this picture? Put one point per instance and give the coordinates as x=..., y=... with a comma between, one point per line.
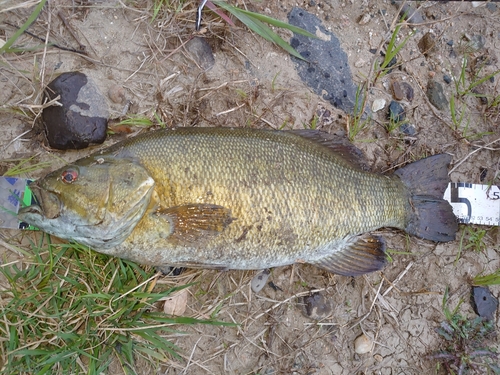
x=338, y=144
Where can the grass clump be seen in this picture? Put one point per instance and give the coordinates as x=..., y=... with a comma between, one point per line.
x=73, y=311
x=257, y=23
x=486, y=280
x=391, y=52
x=465, y=350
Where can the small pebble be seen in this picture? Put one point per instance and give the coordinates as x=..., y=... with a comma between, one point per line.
x=408, y=129
x=436, y=96
x=427, y=44
x=396, y=112
x=483, y=172
x=364, y=19
x=360, y=63
x=82, y=118
x=407, y=90
x=447, y=79
x=315, y=306
x=117, y=94
x=176, y=303
x=363, y=344
x=378, y=104
x=492, y=7
x=414, y=16
x=476, y=42
x=450, y=43
x=169, y=270
x=397, y=91
x=259, y=281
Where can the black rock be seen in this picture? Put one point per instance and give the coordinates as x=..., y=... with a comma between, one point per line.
x=436, y=96
x=447, y=79
x=326, y=70
x=450, y=43
x=170, y=271
x=82, y=118
x=483, y=172
x=483, y=302
x=396, y=112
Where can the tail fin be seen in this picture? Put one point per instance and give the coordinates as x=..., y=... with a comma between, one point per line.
x=431, y=217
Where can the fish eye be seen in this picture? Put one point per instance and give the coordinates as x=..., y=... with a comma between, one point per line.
x=69, y=176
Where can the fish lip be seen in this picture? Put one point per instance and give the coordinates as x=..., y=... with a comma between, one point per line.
x=33, y=209
x=47, y=203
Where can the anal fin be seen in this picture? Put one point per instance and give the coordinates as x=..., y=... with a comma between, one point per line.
x=365, y=254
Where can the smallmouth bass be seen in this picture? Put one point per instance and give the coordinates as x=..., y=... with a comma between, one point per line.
x=240, y=198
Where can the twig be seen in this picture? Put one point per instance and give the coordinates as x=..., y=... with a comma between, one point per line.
x=470, y=154
x=81, y=46
x=47, y=42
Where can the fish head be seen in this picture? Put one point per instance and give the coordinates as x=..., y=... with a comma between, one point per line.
x=94, y=201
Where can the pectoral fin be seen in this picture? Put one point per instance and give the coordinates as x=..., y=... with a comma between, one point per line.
x=195, y=222
x=365, y=254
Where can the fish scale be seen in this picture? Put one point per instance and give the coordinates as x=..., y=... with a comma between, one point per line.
x=251, y=199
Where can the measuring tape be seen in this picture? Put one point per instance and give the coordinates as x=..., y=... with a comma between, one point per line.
x=472, y=203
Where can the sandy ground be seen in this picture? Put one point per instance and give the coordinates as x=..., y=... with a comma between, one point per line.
x=254, y=83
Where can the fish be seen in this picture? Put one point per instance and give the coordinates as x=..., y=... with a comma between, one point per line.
x=240, y=198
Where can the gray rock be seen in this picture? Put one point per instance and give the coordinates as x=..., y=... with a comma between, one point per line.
x=484, y=303
x=477, y=42
x=202, y=53
x=396, y=112
x=82, y=118
x=413, y=15
x=315, y=306
x=259, y=281
x=436, y=96
x=492, y=7
x=326, y=70
x=408, y=129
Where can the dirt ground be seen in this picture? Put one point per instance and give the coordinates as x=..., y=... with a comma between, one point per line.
x=254, y=83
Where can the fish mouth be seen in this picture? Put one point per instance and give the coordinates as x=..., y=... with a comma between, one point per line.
x=48, y=204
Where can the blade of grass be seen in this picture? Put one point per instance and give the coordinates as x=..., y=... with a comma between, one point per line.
x=254, y=22
x=23, y=28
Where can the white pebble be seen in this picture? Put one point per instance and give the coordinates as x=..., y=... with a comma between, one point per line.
x=378, y=104
x=362, y=344
x=259, y=281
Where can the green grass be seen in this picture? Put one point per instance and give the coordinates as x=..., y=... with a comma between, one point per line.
x=257, y=23
x=70, y=310
x=8, y=46
x=466, y=84
x=465, y=349
x=26, y=166
x=391, y=51
x=472, y=238
x=487, y=280
x=356, y=123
